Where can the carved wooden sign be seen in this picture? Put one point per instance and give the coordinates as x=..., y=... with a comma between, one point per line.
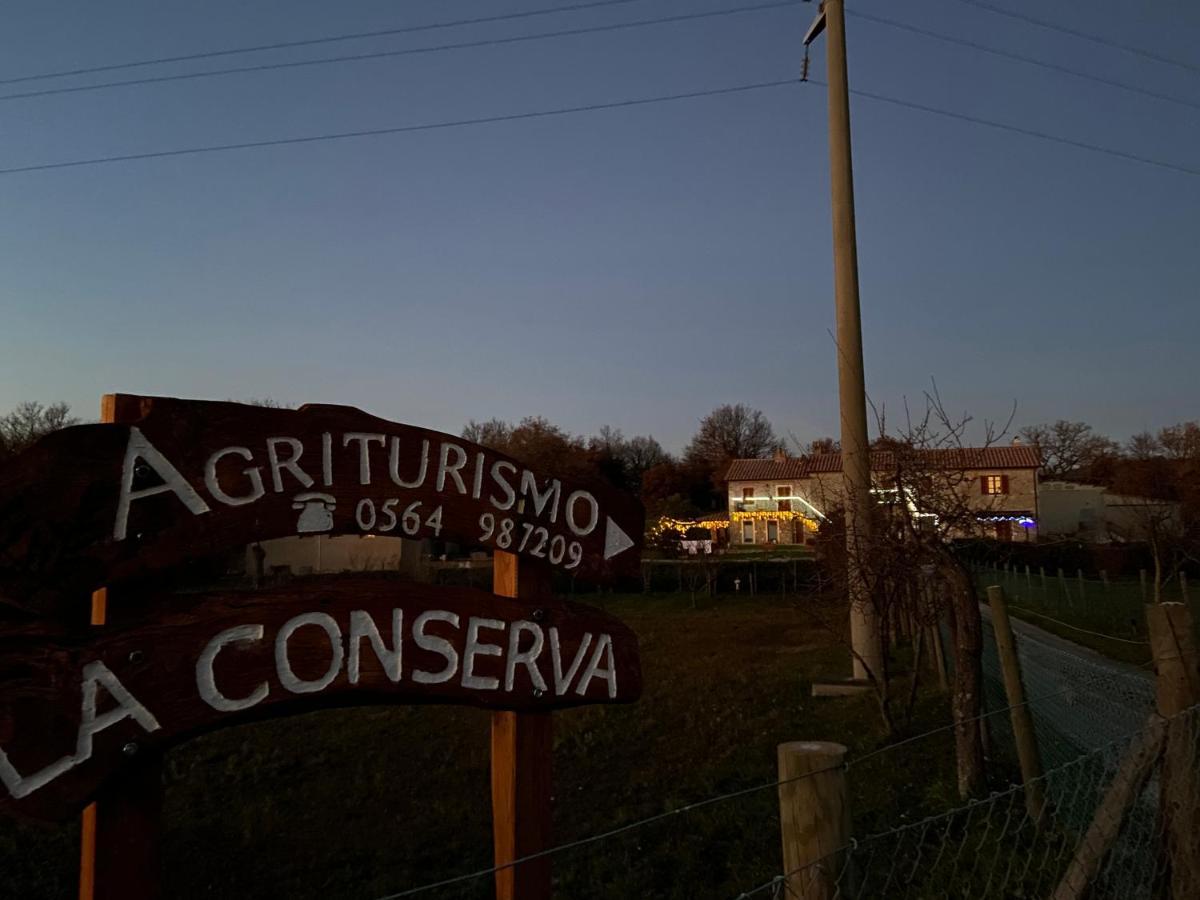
x=94, y=504
x=76, y=713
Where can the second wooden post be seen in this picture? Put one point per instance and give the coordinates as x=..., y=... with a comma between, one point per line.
x=522, y=763
x=1019, y=712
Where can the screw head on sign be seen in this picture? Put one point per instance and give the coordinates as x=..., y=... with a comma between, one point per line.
x=538, y=693
x=137, y=657
x=130, y=749
x=539, y=615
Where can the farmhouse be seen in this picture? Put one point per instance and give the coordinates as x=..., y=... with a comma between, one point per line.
x=782, y=500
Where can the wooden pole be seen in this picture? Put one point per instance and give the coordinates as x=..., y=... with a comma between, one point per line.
x=1042, y=572
x=1028, y=577
x=1106, y=824
x=1019, y=712
x=522, y=763
x=1177, y=690
x=814, y=817
x=120, y=834
x=1079, y=576
x=865, y=628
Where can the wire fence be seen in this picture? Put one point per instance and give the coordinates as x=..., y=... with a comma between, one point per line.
x=996, y=848
x=991, y=848
x=1105, y=607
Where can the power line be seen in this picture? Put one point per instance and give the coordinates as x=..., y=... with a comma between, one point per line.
x=1095, y=39
x=382, y=54
x=1018, y=57
x=402, y=129
x=593, y=107
x=1017, y=129
x=283, y=45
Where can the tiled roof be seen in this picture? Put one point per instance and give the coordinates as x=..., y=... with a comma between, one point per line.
x=956, y=458
x=882, y=461
x=766, y=469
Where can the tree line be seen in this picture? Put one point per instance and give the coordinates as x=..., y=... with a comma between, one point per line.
x=1161, y=465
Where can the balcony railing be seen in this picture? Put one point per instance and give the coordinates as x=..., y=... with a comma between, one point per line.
x=768, y=504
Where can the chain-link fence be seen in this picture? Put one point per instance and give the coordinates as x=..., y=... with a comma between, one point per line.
x=1103, y=833
x=1090, y=602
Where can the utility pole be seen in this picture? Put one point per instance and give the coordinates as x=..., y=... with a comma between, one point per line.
x=856, y=459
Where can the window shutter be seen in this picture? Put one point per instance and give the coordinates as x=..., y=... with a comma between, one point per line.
x=983, y=484
x=1004, y=484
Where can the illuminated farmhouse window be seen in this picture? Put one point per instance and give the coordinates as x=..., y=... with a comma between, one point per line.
x=784, y=494
x=995, y=484
x=772, y=532
x=748, y=494
x=748, y=532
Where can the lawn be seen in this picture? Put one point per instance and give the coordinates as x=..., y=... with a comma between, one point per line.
x=361, y=803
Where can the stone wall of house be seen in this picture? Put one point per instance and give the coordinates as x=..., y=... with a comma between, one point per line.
x=825, y=490
x=790, y=530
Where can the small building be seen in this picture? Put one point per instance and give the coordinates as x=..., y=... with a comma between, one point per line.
x=1091, y=512
x=321, y=553
x=769, y=501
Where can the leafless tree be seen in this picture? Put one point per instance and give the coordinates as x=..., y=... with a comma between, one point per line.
x=925, y=496
x=494, y=433
x=1068, y=449
x=732, y=432
x=30, y=421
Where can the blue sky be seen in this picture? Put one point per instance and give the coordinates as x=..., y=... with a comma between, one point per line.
x=632, y=267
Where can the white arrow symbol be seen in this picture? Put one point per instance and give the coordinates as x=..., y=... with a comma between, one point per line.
x=615, y=540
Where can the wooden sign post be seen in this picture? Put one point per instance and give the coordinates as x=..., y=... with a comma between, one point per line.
x=522, y=764
x=122, y=860
x=86, y=715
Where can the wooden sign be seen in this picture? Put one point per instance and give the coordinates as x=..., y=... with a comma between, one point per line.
x=182, y=479
x=75, y=713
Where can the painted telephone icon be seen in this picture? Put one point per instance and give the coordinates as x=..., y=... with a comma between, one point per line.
x=316, y=512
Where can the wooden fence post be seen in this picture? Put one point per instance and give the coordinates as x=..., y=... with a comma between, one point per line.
x=1079, y=576
x=814, y=817
x=1028, y=577
x=120, y=834
x=1118, y=799
x=1142, y=579
x=1062, y=582
x=1019, y=712
x=1104, y=578
x=1042, y=572
x=1177, y=690
x=522, y=763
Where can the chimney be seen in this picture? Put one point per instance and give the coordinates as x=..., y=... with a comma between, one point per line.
x=780, y=455
x=1016, y=441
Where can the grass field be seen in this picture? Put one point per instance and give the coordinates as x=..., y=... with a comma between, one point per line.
x=1107, y=616
x=361, y=803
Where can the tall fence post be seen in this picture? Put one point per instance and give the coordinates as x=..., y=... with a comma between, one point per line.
x=1019, y=712
x=814, y=817
x=1028, y=578
x=1104, y=578
x=1177, y=689
x=1042, y=572
x=1062, y=583
x=1079, y=576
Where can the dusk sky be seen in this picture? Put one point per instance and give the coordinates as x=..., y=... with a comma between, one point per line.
x=634, y=266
